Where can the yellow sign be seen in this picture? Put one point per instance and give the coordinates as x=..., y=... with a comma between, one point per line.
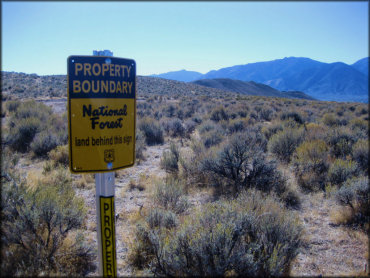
x=101, y=113
x=108, y=236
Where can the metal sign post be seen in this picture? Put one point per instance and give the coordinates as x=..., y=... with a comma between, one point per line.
x=101, y=93
x=105, y=216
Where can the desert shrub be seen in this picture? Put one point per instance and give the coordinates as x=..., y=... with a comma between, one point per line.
x=39, y=228
x=219, y=114
x=191, y=170
x=22, y=133
x=31, y=118
x=292, y=115
x=266, y=114
x=152, y=132
x=360, y=153
x=9, y=160
x=330, y=119
x=316, y=132
x=359, y=124
x=12, y=105
x=359, y=128
x=59, y=156
x=207, y=126
x=340, y=141
x=241, y=163
x=43, y=143
x=170, y=195
x=283, y=143
x=253, y=235
x=355, y=194
x=341, y=170
x=162, y=218
x=189, y=126
x=269, y=131
x=170, y=111
x=212, y=138
x=235, y=126
x=310, y=162
x=170, y=159
x=173, y=127
x=140, y=145
x=33, y=109
x=361, y=111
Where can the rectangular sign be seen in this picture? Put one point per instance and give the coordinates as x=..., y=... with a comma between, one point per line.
x=101, y=113
x=108, y=236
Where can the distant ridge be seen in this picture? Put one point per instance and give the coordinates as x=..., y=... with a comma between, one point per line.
x=323, y=81
x=249, y=88
x=362, y=66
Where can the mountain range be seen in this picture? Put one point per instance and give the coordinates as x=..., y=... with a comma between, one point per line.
x=323, y=81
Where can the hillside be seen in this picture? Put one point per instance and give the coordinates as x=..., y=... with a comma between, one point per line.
x=181, y=75
x=22, y=85
x=248, y=88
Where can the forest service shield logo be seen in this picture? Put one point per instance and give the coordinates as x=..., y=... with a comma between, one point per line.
x=109, y=155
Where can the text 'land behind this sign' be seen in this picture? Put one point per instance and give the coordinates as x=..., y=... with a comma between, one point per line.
x=101, y=113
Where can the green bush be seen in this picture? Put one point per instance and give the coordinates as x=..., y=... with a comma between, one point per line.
x=241, y=163
x=295, y=116
x=33, y=109
x=43, y=143
x=269, y=131
x=341, y=142
x=158, y=218
x=266, y=114
x=316, y=132
x=341, y=170
x=173, y=127
x=12, y=105
x=22, y=133
x=360, y=153
x=170, y=195
x=34, y=122
x=152, y=132
x=355, y=194
x=212, y=137
x=37, y=226
x=59, y=156
x=189, y=126
x=284, y=143
x=330, y=119
x=170, y=159
x=207, y=126
x=235, y=126
x=219, y=114
x=310, y=162
x=253, y=235
x=140, y=145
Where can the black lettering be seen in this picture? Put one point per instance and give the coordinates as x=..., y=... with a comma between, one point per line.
x=106, y=207
x=86, y=110
x=106, y=220
x=94, y=122
x=107, y=232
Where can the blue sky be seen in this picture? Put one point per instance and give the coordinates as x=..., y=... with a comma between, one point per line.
x=37, y=37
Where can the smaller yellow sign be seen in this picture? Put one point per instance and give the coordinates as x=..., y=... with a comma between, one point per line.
x=108, y=236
